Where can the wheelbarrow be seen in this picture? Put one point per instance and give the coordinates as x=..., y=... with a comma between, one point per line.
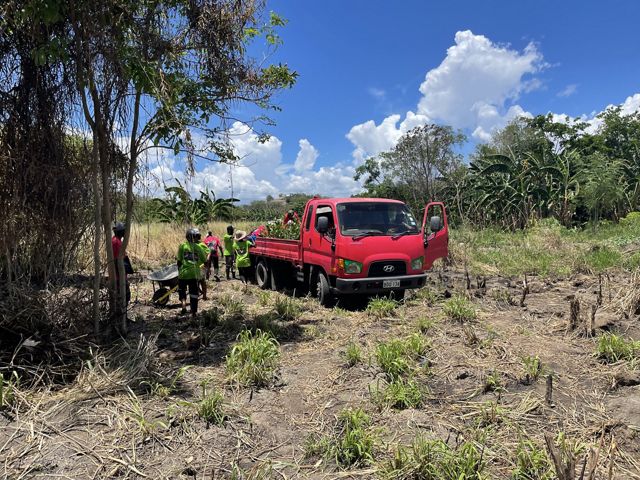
x=167, y=281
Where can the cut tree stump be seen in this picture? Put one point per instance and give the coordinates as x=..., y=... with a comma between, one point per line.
x=548, y=396
x=574, y=313
x=525, y=291
x=590, y=328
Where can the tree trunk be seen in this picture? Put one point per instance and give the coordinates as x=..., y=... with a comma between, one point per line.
x=96, y=242
x=132, y=169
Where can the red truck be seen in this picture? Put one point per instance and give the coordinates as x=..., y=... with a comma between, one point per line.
x=347, y=246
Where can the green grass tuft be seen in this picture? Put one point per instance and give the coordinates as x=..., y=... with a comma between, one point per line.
x=395, y=357
x=211, y=408
x=287, y=308
x=211, y=317
x=416, y=345
x=532, y=463
x=264, y=298
x=613, y=348
x=165, y=389
x=398, y=394
x=350, y=445
x=493, y=383
x=392, y=359
x=532, y=367
x=425, y=324
x=8, y=388
x=428, y=295
x=435, y=460
x=253, y=360
x=234, y=307
x=459, y=308
x=353, y=354
x=380, y=307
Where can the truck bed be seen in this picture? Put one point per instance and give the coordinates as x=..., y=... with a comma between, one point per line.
x=288, y=250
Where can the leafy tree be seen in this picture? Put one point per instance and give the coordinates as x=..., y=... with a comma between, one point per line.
x=421, y=156
x=604, y=187
x=412, y=169
x=152, y=73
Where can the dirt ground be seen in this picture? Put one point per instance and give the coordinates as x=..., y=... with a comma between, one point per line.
x=99, y=427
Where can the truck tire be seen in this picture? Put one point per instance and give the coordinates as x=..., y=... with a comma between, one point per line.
x=323, y=293
x=263, y=275
x=274, y=279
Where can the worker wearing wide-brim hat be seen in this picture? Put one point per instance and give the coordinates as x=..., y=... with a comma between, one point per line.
x=241, y=245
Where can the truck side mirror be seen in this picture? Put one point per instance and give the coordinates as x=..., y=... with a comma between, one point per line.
x=322, y=225
x=435, y=224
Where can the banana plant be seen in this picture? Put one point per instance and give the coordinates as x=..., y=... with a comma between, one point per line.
x=178, y=207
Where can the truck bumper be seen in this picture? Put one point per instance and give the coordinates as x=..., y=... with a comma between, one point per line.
x=375, y=284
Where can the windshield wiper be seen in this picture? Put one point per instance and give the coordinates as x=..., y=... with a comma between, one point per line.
x=402, y=234
x=369, y=233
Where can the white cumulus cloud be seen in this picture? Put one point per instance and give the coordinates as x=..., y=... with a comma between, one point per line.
x=568, y=90
x=371, y=139
x=307, y=156
x=477, y=75
x=259, y=172
x=630, y=106
x=475, y=87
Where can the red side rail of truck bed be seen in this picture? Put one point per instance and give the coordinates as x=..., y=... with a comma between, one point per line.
x=288, y=250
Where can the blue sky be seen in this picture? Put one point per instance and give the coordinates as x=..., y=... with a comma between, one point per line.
x=363, y=65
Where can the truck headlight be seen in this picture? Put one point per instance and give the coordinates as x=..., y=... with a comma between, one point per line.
x=416, y=263
x=351, y=266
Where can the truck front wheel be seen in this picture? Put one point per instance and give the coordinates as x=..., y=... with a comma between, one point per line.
x=262, y=275
x=323, y=294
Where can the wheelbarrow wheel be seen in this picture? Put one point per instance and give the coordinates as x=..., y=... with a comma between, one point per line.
x=161, y=297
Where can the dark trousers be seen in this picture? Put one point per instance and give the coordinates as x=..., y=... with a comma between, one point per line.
x=212, y=261
x=192, y=285
x=244, y=272
x=228, y=263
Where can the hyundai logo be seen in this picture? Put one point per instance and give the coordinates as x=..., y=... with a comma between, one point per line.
x=388, y=268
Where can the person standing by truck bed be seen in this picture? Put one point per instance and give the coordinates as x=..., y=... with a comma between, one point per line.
x=241, y=249
x=290, y=217
x=190, y=258
x=227, y=242
x=214, y=245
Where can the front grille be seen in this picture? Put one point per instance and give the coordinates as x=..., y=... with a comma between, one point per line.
x=377, y=269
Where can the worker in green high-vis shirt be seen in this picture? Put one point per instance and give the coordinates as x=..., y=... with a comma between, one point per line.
x=227, y=244
x=241, y=247
x=191, y=257
x=202, y=280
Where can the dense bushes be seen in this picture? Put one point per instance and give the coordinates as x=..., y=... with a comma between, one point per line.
x=532, y=169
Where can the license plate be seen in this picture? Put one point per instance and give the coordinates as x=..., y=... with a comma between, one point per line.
x=390, y=283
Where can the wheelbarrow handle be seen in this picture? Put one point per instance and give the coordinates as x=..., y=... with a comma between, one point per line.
x=166, y=295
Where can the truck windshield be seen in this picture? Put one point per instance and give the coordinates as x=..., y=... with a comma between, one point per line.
x=375, y=218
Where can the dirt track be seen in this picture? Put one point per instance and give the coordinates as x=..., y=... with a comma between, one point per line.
x=93, y=429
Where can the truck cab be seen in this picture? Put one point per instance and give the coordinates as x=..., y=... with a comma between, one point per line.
x=369, y=246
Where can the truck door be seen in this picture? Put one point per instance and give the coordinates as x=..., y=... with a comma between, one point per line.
x=436, y=233
x=317, y=248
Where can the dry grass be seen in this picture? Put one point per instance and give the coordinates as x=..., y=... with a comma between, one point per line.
x=103, y=426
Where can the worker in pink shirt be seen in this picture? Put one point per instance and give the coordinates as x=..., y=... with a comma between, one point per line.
x=290, y=217
x=215, y=246
x=116, y=245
